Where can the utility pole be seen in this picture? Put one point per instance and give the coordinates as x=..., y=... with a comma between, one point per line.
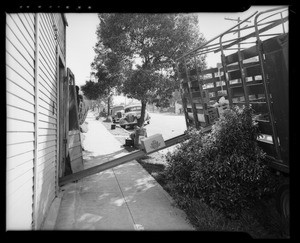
x=239, y=29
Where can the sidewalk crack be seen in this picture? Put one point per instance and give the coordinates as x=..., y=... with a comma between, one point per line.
x=136, y=226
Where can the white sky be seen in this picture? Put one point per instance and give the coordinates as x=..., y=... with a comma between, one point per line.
x=81, y=37
x=80, y=40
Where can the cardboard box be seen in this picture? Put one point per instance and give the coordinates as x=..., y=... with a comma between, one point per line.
x=153, y=143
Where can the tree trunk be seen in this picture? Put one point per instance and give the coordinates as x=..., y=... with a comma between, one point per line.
x=143, y=111
x=108, y=106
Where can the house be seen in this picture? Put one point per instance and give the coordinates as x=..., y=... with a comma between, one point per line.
x=39, y=142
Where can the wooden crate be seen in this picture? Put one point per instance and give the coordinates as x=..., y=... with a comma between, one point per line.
x=213, y=114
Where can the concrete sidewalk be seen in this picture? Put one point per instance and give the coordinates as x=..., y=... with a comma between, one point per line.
x=123, y=198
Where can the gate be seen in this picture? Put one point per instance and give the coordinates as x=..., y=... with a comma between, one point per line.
x=74, y=141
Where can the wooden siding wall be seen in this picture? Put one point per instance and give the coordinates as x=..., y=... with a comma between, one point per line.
x=30, y=100
x=47, y=117
x=59, y=22
x=20, y=99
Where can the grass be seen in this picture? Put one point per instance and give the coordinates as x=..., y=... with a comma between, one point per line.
x=261, y=221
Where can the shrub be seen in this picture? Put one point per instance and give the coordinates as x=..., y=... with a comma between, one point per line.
x=225, y=167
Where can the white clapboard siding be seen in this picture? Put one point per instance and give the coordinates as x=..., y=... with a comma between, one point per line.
x=43, y=132
x=51, y=119
x=19, y=36
x=46, y=156
x=61, y=33
x=28, y=25
x=31, y=99
x=18, y=160
x=46, y=88
x=46, y=172
x=15, y=173
x=17, y=137
x=20, y=141
x=18, y=219
x=47, y=117
x=30, y=17
x=46, y=26
x=20, y=68
x=23, y=31
x=15, y=113
x=14, y=125
x=43, y=152
x=45, y=62
x=44, y=48
x=45, y=138
x=15, y=76
x=19, y=148
x=16, y=101
x=47, y=112
x=46, y=97
x=47, y=144
x=26, y=59
x=14, y=88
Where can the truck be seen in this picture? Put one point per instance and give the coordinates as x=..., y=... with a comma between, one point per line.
x=253, y=71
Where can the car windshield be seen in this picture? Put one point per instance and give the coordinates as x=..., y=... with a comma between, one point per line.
x=134, y=108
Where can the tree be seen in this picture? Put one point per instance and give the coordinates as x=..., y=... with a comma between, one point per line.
x=109, y=70
x=154, y=39
x=90, y=90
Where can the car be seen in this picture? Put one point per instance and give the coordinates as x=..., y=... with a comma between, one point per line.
x=117, y=113
x=131, y=115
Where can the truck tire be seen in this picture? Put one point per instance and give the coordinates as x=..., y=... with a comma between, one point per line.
x=283, y=205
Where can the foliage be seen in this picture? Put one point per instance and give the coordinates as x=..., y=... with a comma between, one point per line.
x=225, y=167
x=106, y=65
x=91, y=90
x=156, y=40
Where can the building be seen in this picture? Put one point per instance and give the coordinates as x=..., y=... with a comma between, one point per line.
x=37, y=82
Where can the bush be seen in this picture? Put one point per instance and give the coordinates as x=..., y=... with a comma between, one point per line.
x=224, y=167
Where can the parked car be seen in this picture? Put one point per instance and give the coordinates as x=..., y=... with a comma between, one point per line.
x=131, y=116
x=117, y=113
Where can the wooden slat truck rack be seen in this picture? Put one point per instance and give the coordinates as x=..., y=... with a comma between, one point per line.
x=253, y=70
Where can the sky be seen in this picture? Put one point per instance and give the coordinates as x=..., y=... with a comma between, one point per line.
x=81, y=37
x=80, y=40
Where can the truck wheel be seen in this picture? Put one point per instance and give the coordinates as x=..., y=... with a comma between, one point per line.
x=283, y=205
